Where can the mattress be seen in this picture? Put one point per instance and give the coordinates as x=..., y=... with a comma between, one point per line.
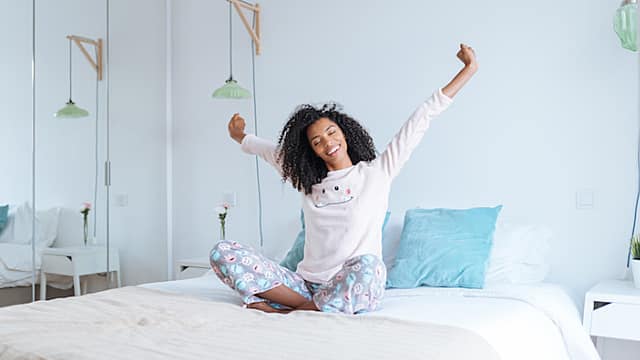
x=537, y=321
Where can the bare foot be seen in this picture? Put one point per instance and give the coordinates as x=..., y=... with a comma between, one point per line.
x=263, y=306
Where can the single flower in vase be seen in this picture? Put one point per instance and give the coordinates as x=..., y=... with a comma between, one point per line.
x=86, y=207
x=222, y=216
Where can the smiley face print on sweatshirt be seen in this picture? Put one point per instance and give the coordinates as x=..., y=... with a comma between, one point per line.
x=334, y=194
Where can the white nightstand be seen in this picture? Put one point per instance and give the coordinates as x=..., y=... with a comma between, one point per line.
x=191, y=268
x=77, y=261
x=612, y=309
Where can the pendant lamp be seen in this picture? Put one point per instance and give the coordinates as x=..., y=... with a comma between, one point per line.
x=625, y=24
x=71, y=110
x=231, y=89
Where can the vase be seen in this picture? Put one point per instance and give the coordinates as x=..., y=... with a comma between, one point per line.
x=635, y=269
x=86, y=231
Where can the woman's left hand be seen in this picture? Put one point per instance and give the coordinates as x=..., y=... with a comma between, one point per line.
x=467, y=56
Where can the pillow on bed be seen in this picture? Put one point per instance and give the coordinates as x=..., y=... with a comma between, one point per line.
x=296, y=253
x=19, y=226
x=519, y=254
x=444, y=247
x=4, y=216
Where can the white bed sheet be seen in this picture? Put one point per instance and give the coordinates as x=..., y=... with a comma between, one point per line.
x=522, y=322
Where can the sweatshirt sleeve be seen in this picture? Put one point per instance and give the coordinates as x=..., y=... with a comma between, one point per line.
x=410, y=134
x=266, y=149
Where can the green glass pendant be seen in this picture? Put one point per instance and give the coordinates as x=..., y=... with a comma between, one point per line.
x=231, y=90
x=625, y=23
x=70, y=110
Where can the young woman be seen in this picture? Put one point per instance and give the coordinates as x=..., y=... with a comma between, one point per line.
x=330, y=158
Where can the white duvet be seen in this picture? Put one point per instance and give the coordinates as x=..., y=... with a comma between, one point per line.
x=519, y=321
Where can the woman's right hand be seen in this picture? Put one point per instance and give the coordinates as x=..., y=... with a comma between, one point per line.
x=236, y=128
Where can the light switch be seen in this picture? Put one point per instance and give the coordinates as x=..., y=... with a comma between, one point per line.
x=584, y=199
x=121, y=200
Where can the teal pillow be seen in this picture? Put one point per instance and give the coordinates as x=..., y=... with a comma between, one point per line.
x=4, y=216
x=296, y=253
x=444, y=247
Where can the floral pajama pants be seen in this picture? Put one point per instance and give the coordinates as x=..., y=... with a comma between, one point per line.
x=358, y=287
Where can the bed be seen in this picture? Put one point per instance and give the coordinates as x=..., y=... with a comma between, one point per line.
x=201, y=318
x=16, y=252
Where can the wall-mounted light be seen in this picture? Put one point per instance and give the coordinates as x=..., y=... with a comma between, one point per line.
x=71, y=110
x=625, y=23
x=231, y=89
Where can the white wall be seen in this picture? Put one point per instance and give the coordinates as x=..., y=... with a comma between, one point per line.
x=553, y=110
x=138, y=77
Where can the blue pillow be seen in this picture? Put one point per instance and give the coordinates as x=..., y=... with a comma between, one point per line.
x=4, y=216
x=296, y=253
x=444, y=247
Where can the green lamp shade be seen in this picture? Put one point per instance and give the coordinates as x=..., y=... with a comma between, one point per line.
x=70, y=110
x=625, y=23
x=231, y=90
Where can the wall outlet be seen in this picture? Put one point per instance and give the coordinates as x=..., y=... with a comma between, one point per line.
x=230, y=198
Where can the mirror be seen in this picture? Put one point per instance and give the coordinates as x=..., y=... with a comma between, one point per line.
x=71, y=145
x=68, y=159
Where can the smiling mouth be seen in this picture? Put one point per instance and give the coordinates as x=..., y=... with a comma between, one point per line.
x=321, y=205
x=333, y=151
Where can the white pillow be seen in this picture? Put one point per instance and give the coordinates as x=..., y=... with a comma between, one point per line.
x=519, y=254
x=19, y=226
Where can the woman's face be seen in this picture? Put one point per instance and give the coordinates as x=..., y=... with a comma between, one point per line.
x=328, y=142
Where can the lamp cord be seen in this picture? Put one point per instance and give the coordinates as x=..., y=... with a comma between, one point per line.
x=635, y=208
x=255, y=126
x=95, y=176
x=70, y=60
x=230, y=43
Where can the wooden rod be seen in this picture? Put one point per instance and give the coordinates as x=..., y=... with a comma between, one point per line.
x=82, y=39
x=99, y=59
x=86, y=54
x=95, y=64
x=244, y=4
x=257, y=11
x=246, y=25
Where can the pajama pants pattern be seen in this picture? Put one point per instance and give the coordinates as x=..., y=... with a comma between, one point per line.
x=358, y=287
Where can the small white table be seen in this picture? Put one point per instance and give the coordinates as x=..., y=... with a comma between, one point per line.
x=191, y=268
x=612, y=310
x=76, y=262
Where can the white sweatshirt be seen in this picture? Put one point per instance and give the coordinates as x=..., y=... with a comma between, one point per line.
x=344, y=213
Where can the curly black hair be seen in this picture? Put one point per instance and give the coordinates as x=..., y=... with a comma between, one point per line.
x=299, y=162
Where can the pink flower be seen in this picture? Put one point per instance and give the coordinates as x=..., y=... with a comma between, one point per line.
x=86, y=206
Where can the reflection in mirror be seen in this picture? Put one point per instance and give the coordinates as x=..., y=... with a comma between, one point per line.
x=17, y=273
x=71, y=146
x=57, y=159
